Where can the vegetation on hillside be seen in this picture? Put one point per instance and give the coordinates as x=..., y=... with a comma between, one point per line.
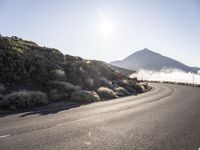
x=25, y=66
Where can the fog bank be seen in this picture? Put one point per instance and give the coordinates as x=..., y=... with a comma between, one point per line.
x=172, y=75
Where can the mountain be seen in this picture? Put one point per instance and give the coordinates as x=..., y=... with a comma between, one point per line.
x=149, y=60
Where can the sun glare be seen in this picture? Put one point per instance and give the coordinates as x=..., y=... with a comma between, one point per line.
x=106, y=25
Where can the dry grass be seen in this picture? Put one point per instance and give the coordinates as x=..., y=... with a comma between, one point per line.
x=24, y=99
x=121, y=91
x=63, y=86
x=105, y=92
x=85, y=96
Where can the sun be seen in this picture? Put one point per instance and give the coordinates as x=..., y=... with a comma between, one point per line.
x=107, y=28
x=106, y=25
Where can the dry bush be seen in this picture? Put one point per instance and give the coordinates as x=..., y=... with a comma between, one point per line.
x=121, y=91
x=105, y=83
x=61, y=91
x=1, y=97
x=140, y=88
x=63, y=86
x=24, y=99
x=2, y=88
x=130, y=89
x=55, y=96
x=59, y=74
x=85, y=96
x=145, y=85
x=105, y=92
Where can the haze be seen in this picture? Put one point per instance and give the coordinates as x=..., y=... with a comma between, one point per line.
x=107, y=30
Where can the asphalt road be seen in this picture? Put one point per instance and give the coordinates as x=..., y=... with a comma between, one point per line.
x=165, y=118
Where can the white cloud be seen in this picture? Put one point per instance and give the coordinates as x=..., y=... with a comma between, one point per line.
x=173, y=75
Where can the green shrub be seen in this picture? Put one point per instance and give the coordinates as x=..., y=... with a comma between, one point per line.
x=105, y=92
x=125, y=82
x=130, y=89
x=62, y=86
x=121, y=91
x=85, y=96
x=55, y=95
x=24, y=99
x=105, y=83
x=60, y=90
x=2, y=88
x=1, y=97
x=89, y=82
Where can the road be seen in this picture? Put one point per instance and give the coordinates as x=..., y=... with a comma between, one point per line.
x=165, y=118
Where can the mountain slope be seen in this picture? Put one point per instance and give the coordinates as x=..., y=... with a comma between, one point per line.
x=122, y=70
x=27, y=69
x=149, y=60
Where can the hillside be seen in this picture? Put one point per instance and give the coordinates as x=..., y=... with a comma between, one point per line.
x=25, y=66
x=149, y=60
x=124, y=71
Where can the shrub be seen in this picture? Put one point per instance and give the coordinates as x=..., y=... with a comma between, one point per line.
x=89, y=82
x=85, y=96
x=59, y=74
x=105, y=82
x=105, y=92
x=145, y=85
x=122, y=82
x=62, y=86
x=55, y=95
x=198, y=85
x=121, y=91
x=2, y=88
x=140, y=88
x=61, y=90
x=24, y=99
x=1, y=97
x=130, y=89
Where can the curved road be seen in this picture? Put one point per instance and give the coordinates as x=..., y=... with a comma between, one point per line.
x=165, y=118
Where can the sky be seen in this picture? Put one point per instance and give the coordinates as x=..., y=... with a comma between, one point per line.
x=107, y=30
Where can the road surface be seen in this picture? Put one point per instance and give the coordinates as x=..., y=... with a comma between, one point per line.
x=165, y=118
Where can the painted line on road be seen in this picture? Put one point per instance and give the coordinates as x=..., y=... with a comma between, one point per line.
x=4, y=136
x=92, y=117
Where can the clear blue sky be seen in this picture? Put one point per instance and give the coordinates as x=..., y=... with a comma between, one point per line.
x=107, y=29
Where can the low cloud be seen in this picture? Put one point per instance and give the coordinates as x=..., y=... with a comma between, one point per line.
x=173, y=75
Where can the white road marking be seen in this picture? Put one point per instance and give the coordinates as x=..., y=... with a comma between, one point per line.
x=4, y=136
x=91, y=117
